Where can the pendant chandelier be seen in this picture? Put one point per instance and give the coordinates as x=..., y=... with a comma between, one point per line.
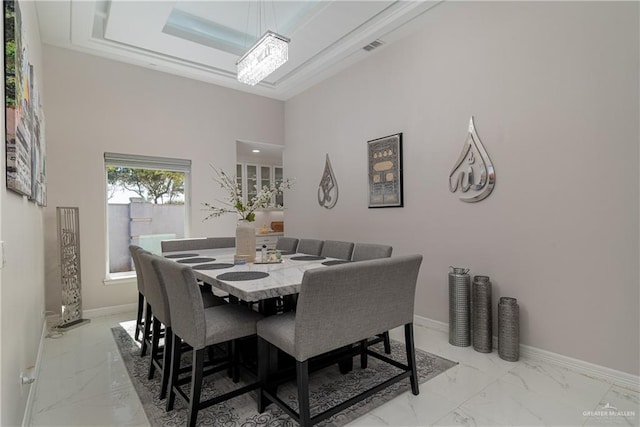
x=264, y=57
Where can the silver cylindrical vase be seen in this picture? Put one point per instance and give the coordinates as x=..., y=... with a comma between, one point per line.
x=481, y=314
x=509, y=329
x=459, y=307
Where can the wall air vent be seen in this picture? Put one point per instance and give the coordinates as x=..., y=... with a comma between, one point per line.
x=374, y=44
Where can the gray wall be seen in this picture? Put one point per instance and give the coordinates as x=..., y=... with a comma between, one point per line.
x=22, y=277
x=98, y=105
x=554, y=90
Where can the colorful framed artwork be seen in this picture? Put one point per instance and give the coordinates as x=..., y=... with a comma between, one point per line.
x=24, y=117
x=384, y=157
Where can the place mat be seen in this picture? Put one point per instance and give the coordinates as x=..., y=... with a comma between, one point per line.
x=328, y=387
x=336, y=262
x=196, y=260
x=242, y=275
x=307, y=258
x=215, y=266
x=180, y=255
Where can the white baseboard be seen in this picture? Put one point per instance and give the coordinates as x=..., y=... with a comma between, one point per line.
x=26, y=418
x=93, y=313
x=622, y=379
x=430, y=323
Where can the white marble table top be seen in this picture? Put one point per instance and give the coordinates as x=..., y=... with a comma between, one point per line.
x=284, y=278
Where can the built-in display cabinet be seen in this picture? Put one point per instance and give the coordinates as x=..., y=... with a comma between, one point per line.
x=252, y=177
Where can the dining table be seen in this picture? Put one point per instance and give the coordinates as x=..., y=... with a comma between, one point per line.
x=254, y=282
x=251, y=281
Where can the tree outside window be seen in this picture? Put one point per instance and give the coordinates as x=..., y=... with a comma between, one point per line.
x=155, y=186
x=145, y=205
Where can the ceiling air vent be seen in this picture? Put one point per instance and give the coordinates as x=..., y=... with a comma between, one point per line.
x=374, y=44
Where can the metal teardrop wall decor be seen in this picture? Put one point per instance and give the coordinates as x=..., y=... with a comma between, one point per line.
x=328, y=188
x=473, y=161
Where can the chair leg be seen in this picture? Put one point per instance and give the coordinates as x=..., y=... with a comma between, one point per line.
x=147, y=330
x=166, y=361
x=302, y=376
x=175, y=368
x=387, y=342
x=196, y=385
x=411, y=357
x=364, y=358
x=155, y=343
x=264, y=362
x=210, y=353
x=346, y=365
x=235, y=361
x=230, y=357
x=140, y=314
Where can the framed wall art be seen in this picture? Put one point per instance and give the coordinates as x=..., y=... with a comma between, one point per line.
x=384, y=157
x=24, y=124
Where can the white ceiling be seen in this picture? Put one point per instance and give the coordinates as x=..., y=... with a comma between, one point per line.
x=203, y=39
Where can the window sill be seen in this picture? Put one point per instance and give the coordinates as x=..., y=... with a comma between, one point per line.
x=120, y=279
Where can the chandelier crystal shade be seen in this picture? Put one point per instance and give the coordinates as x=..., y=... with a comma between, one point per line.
x=264, y=57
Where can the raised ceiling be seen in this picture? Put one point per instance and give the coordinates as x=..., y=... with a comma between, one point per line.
x=203, y=39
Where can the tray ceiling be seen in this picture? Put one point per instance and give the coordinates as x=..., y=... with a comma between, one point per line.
x=203, y=39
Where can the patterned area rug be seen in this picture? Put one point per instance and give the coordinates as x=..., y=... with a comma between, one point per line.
x=327, y=388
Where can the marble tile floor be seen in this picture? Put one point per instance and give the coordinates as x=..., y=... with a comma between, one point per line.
x=83, y=382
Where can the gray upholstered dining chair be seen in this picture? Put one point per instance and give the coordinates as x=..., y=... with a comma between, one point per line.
x=200, y=328
x=144, y=309
x=337, y=249
x=157, y=299
x=197, y=244
x=366, y=251
x=310, y=246
x=156, y=295
x=287, y=244
x=339, y=306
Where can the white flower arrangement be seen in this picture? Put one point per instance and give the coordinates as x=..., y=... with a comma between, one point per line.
x=234, y=204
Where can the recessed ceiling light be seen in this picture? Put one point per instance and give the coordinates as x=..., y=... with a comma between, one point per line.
x=255, y=151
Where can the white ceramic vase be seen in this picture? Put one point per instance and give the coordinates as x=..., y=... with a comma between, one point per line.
x=246, y=240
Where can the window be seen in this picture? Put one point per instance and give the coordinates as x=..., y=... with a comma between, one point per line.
x=147, y=202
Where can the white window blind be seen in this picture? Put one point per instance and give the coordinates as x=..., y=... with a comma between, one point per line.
x=147, y=162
